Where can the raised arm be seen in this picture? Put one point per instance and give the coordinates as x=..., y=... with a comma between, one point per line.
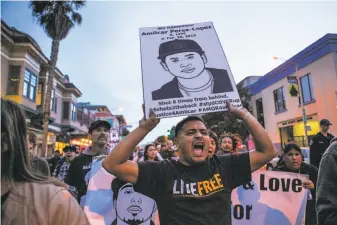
x=264, y=149
x=117, y=161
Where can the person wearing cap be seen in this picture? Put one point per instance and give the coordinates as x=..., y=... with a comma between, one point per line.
x=293, y=162
x=186, y=60
x=195, y=189
x=79, y=168
x=320, y=142
x=62, y=166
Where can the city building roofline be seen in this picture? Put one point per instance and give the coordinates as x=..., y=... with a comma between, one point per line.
x=323, y=46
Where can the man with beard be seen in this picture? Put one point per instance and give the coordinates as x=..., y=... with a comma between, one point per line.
x=132, y=208
x=99, y=133
x=227, y=144
x=62, y=166
x=194, y=190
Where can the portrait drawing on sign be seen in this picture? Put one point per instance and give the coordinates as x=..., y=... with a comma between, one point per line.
x=186, y=61
x=131, y=207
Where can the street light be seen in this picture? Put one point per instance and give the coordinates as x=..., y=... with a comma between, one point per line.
x=301, y=100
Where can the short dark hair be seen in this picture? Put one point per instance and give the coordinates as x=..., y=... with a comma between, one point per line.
x=181, y=124
x=148, y=146
x=290, y=147
x=213, y=135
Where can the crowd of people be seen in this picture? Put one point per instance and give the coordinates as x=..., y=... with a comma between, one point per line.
x=52, y=190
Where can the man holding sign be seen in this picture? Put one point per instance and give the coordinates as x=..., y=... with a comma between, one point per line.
x=195, y=189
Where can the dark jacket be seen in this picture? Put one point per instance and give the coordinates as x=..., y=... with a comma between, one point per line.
x=222, y=84
x=327, y=187
x=318, y=145
x=312, y=171
x=53, y=162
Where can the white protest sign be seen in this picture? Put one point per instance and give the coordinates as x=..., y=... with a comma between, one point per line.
x=185, y=71
x=276, y=198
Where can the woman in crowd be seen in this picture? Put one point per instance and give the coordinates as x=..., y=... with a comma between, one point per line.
x=28, y=197
x=227, y=144
x=214, y=143
x=293, y=161
x=150, y=153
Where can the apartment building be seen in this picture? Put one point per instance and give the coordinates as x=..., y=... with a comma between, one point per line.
x=279, y=110
x=23, y=80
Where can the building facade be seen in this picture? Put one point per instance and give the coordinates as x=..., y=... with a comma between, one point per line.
x=278, y=105
x=23, y=80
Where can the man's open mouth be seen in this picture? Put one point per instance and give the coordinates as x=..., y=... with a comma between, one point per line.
x=188, y=70
x=198, y=148
x=134, y=209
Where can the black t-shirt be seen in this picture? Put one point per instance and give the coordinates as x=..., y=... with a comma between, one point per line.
x=199, y=194
x=78, y=169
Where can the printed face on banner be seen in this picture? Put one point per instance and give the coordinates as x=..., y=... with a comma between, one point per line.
x=185, y=71
x=132, y=207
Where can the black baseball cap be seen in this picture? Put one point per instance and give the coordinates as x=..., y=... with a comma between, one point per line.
x=70, y=148
x=99, y=123
x=178, y=46
x=325, y=122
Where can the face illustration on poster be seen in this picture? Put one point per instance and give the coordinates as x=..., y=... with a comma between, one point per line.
x=186, y=61
x=132, y=207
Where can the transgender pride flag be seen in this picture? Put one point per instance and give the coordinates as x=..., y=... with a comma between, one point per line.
x=125, y=206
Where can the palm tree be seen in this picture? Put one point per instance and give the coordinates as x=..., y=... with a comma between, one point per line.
x=56, y=18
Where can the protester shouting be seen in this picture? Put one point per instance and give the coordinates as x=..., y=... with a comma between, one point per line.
x=292, y=161
x=195, y=189
x=28, y=197
x=62, y=167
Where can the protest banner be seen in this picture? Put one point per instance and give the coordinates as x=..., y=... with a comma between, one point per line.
x=185, y=71
x=112, y=202
x=276, y=198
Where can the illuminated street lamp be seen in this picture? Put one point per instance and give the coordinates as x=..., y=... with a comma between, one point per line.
x=301, y=99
